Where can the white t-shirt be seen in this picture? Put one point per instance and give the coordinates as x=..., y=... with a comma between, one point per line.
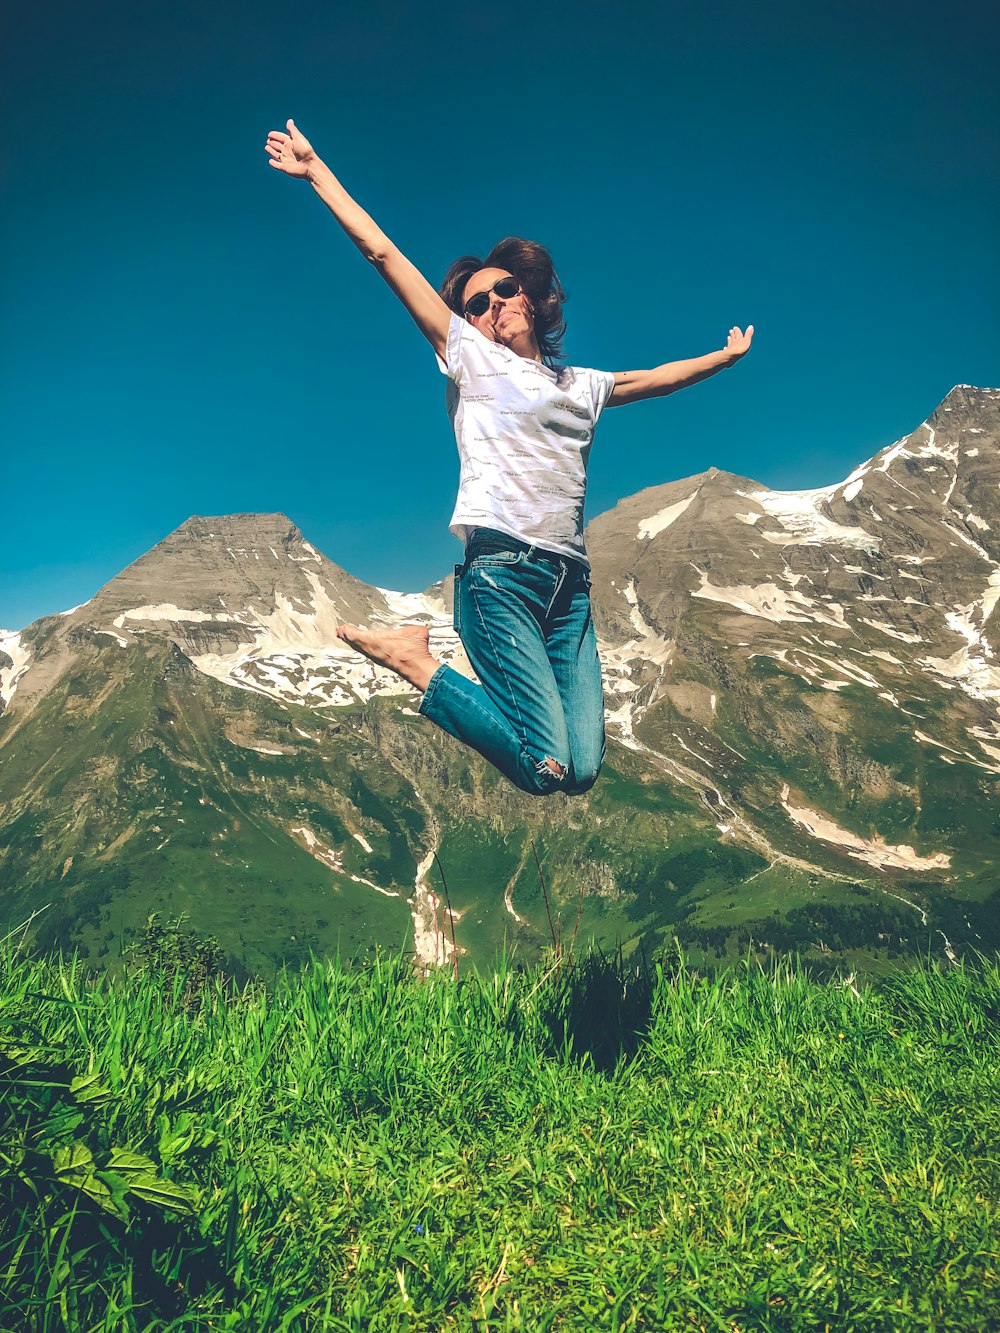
x=524, y=434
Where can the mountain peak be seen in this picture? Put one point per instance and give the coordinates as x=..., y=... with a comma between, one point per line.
x=213, y=561
x=206, y=527
x=718, y=477
x=982, y=406
x=982, y=391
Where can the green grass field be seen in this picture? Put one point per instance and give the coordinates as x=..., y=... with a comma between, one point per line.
x=598, y=1145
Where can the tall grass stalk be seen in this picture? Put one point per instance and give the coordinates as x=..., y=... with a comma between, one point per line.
x=451, y=915
x=545, y=896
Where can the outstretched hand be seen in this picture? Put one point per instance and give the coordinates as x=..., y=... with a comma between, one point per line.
x=738, y=342
x=291, y=153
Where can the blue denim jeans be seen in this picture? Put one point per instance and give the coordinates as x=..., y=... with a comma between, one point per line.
x=523, y=615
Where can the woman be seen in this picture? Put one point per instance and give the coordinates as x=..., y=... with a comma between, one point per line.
x=524, y=428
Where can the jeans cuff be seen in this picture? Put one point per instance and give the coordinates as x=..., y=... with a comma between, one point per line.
x=428, y=695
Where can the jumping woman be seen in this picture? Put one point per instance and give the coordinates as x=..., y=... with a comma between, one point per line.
x=524, y=426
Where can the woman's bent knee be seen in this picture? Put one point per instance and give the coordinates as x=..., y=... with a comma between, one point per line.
x=545, y=777
x=542, y=777
x=581, y=782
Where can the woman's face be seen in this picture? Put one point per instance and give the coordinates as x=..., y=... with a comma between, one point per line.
x=507, y=319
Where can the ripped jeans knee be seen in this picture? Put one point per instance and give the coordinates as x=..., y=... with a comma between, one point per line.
x=542, y=777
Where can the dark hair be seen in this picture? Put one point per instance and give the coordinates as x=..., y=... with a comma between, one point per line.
x=532, y=265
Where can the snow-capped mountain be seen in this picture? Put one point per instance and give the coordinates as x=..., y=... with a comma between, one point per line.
x=810, y=677
x=887, y=580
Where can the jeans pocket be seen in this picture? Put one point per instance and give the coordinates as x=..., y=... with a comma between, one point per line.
x=456, y=610
x=493, y=558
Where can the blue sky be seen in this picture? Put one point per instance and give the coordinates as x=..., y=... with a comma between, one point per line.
x=183, y=330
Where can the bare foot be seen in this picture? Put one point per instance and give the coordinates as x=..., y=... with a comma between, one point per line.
x=405, y=651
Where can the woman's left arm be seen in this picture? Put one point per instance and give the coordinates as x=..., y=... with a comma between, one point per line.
x=631, y=386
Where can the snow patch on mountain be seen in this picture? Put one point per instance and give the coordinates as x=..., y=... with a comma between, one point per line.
x=296, y=655
x=975, y=675
x=649, y=527
x=770, y=602
x=20, y=657
x=168, y=612
x=803, y=523
x=888, y=629
x=874, y=851
x=294, y=652
x=333, y=859
x=649, y=647
x=894, y=451
x=971, y=666
x=635, y=615
x=410, y=607
x=924, y=739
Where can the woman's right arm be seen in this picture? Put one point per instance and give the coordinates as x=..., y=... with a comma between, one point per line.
x=293, y=154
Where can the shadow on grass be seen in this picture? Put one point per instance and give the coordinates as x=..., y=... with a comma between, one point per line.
x=601, y=1006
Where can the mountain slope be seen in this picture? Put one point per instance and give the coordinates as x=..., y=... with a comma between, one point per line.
x=801, y=690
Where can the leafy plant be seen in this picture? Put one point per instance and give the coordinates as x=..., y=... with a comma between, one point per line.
x=68, y=1193
x=185, y=963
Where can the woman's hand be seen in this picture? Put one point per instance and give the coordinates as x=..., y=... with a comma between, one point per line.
x=738, y=342
x=291, y=153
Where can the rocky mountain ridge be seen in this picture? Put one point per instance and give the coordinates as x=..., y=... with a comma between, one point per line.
x=811, y=674
x=906, y=579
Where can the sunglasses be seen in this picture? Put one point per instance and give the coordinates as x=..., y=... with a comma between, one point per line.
x=505, y=288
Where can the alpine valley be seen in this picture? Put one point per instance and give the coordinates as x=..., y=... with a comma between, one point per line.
x=804, y=741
